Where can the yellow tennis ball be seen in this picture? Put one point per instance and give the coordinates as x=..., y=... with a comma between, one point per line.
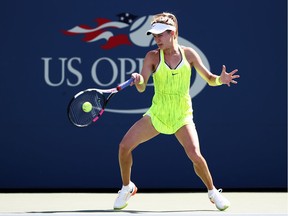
x=87, y=107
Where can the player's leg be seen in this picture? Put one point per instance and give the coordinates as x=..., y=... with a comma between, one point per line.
x=140, y=132
x=188, y=137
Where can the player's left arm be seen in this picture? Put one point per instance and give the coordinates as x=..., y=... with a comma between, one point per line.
x=212, y=79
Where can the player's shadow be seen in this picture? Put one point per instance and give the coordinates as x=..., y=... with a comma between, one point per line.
x=125, y=211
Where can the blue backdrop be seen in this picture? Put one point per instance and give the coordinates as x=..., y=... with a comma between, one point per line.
x=52, y=49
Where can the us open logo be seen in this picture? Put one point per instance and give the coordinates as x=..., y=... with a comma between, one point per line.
x=129, y=30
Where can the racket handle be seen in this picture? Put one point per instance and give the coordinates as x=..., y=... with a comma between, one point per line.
x=125, y=84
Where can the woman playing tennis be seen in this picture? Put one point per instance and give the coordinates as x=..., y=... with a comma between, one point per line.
x=171, y=110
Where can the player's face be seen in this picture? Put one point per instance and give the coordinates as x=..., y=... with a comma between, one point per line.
x=162, y=40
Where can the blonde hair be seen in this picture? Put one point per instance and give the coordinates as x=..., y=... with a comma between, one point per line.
x=166, y=18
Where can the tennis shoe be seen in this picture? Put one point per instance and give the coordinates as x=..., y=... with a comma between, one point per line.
x=219, y=200
x=124, y=195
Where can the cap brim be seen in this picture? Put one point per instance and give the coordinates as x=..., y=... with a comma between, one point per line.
x=158, y=28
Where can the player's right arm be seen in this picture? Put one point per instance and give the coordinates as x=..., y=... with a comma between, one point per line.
x=149, y=65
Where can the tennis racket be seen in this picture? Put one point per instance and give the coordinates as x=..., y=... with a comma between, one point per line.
x=87, y=106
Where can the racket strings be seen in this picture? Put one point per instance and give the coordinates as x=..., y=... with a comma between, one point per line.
x=76, y=113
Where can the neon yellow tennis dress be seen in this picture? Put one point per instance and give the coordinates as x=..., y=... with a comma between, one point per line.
x=171, y=104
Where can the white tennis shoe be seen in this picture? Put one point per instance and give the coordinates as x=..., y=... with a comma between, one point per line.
x=219, y=200
x=124, y=195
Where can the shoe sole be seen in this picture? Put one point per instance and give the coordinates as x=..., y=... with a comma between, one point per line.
x=223, y=209
x=121, y=207
x=133, y=193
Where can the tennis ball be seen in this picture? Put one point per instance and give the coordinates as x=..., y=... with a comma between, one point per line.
x=87, y=107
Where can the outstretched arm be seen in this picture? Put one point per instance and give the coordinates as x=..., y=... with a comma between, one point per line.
x=212, y=79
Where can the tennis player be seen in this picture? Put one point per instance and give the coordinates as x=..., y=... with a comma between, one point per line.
x=171, y=110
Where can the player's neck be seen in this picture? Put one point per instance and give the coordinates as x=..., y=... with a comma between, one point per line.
x=173, y=50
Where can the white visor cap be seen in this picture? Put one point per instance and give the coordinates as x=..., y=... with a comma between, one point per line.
x=158, y=28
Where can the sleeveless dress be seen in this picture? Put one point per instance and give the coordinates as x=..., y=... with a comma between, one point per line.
x=171, y=104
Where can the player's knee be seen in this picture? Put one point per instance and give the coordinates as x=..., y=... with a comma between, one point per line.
x=124, y=147
x=195, y=156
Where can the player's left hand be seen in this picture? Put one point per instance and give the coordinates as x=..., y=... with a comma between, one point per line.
x=228, y=78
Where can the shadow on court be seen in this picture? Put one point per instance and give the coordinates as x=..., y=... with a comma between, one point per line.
x=124, y=211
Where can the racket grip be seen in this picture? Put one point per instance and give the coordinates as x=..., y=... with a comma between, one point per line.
x=125, y=84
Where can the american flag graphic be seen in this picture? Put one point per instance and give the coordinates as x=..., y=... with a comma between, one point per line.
x=115, y=33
